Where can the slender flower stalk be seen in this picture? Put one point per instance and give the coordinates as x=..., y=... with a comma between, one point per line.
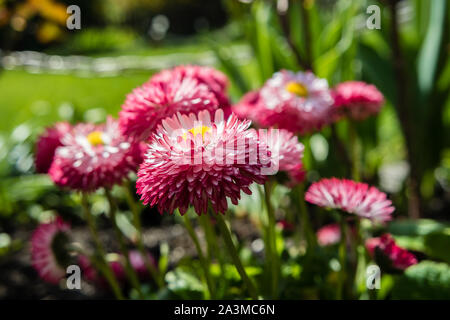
x=131, y=273
x=271, y=244
x=354, y=150
x=211, y=237
x=342, y=259
x=203, y=261
x=305, y=220
x=158, y=278
x=105, y=268
x=403, y=113
x=235, y=257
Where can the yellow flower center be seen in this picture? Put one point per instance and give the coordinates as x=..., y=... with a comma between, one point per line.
x=297, y=88
x=95, y=138
x=197, y=130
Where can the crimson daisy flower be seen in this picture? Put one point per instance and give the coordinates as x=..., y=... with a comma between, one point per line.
x=95, y=156
x=357, y=99
x=47, y=143
x=299, y=102
x=49, y=255
x=183, y=89
x=352, y=197
x=384, y=248
x=193, y=160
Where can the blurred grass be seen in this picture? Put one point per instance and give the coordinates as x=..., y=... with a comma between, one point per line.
x=24, y=95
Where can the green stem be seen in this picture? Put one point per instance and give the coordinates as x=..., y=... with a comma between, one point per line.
x=272, y=253
x=305, y=220
x=203, y=262
x=235, y=257
x=104, y=267
x=211, y=237
x=342, y=259
x=361, y=261
x=354, y=150
x=159, y=278
x=131, y=273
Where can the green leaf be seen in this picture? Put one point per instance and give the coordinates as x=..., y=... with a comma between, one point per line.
x=420, y=227
x=261, y=15
x=426, y=280
x=437, y=245
x=372, y=63
x=429, y=52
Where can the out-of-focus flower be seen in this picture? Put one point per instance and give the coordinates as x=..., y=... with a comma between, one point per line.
x=297, y=175
x=248, y=106
x=352, y=197
x=329, y=234
x=299, y=102
x=384, y=249
x=117, y=264
x=49, y=255
x=356, y=99
x=94, y=156
x=47, y=144
x=193, y=160
x=184, y=89
x=285, y=225
x=286, y=152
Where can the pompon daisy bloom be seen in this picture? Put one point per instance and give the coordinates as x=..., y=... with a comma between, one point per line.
x=182, y=89
x=193, y=160
x=216, y=81
x=286, y=152
x=357, y=100
x=299, y=102
x=329, y=234
x=49, y=255
x=95, y=156
x=384, y=249
x=47, y=144
x=352, y=197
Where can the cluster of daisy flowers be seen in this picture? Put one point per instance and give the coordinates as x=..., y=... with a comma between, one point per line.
x=191, y=148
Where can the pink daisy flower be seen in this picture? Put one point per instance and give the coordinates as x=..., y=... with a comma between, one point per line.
x=95, y=156
x=216, y=81
x=385, y=245
x=299, y=102
x=182, y=89
x=47, y=144
x=193, y=160
x=286, y=152
x=352, y=197
x=248, y=107
x=48, y=254
x=329, y=234
x=357, y=99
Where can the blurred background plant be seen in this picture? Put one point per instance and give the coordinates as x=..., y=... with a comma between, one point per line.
x=49, y=73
